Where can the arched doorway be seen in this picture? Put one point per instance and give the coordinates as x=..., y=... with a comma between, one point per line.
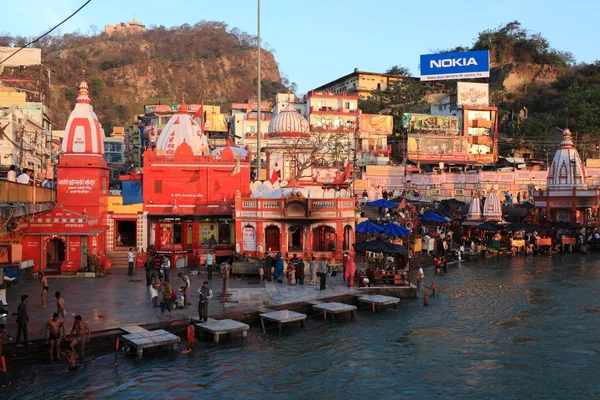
x=272, y=238
x=296, y=238
x=55, y=253
x=347, y=238
x=225, y=233
x=324, y=238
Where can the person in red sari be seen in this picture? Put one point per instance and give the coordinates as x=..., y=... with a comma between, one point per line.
x=191, y=337
x=350, y=269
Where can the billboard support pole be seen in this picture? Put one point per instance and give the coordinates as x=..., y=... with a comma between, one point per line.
x=258, y=101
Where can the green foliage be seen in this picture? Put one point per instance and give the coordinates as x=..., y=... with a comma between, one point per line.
x=96, y=85
x=398, y=70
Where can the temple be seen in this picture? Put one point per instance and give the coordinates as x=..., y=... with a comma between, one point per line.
x=61, y=240
x=567, y=197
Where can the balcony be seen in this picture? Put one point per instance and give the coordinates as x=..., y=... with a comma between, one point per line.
x=332, y=110
x=39, y=199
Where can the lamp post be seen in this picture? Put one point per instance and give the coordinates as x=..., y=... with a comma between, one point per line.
x=258, y=99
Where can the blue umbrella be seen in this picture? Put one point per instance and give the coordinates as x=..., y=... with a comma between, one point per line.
x=368, y=227
x=382, y=203
x=432, y=216
x=394, y=229
x=379, y=246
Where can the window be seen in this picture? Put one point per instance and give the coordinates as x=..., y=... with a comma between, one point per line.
x=177, y=233
x=324, y=238
x=158, y=186
x=296, y=238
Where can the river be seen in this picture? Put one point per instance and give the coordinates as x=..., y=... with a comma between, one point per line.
x=499, y=328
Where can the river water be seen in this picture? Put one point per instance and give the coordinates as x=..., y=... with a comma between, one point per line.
x=506, y=328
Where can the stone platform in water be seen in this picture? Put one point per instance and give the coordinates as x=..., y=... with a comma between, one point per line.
x=282, y=317
x=403, y=292
x=223, y=327
x=334, y=308
x=379, y=300
x=140, y=339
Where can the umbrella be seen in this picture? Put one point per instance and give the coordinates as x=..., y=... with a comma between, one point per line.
x=394, y=229
x=432, y=216
x=382, y=203
x=368, y=227
x=489, y=226
x=379, y=246
x=446, y=214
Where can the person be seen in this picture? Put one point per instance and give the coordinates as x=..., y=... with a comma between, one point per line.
x=22, y=321
x=185, y=289
x=519, y=197
x=157, y=260
x=60, y=305
x=279, y=269
x=166, y=267
x=154, y=289
x=261, y=271
x=191, y=337
x=365, y=196
x=350, y=270
x=3, y=334
x=313, y=271
x=167, y=293
x=130, y=259
x=205, y=295
x=71, y=357
x=225, y=269
x=212, y=242
x=25, y=177
x=268, y=266
x=420, y=277
x=82, y=334
x=3, y=286
x=209, y=265
x=119, y=239
x=291, y=274
x=11, y=176
x=149, y=267
x=322, y=271
x=300, y=271
x=54, y=332
x=433, y=287
x=45, y=287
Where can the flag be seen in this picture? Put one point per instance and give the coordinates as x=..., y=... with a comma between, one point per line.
x=236, y=169
x=199, y=113
x=402, y=204
x=274, y=177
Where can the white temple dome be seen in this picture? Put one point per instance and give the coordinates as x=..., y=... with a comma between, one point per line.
x=474, y=213
x=181, y=128
x=566, y=172
x=492, y=208
x=83, y=133
x=289, y=123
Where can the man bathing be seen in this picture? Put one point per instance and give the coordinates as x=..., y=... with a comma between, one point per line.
x=82, y=334
x=54, y=332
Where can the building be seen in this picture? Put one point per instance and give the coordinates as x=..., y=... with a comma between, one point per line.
x=294, y=216
x=189, y=192
x=361, y=83
x=61, y=240
x=133, y=145
x=114, y=153
x=567, y=197
x=130, y=27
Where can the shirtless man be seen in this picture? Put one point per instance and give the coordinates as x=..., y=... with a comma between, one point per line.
x=71, y=357
x=60, y=305
x=82, y=333
x=45, y=287
x=54, y=331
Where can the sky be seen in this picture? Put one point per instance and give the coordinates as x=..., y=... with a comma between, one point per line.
x=317, y=41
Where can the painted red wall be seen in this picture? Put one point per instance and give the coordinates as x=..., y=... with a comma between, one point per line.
x=31, y=251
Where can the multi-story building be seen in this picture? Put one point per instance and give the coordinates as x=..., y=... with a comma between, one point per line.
x=361, y=83
x=23, y=140
x=114, y=153
x=133, y=144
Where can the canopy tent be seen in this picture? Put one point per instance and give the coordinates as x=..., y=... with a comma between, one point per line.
x=394, y=229
x=382, y=203
x=379, y=246
x=452, y=202
x=368, y=227
x=490, y=226
x=433, y=217
x=446, y=214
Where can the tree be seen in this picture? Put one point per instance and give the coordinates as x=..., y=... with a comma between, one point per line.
x=398, y=70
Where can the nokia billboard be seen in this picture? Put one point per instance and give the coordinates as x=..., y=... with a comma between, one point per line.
x=462, y=65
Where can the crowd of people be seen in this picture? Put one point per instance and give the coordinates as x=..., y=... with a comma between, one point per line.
x=26, y=177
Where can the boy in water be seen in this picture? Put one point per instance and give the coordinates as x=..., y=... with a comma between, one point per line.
x=71, y=357
x=82, y=332
x=54, y=331
x=191, y=337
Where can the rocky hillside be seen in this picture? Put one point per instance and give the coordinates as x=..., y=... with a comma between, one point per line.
x=206, y=62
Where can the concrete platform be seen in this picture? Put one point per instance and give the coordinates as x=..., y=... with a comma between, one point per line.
x=282, y=317
x=144, y=339
x=223, y=327
x=403, y=292
x=379, y=300
x=334, y=308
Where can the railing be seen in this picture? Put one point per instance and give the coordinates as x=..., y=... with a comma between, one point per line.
x=12, y=192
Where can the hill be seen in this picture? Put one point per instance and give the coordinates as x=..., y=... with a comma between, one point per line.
x=206, y=62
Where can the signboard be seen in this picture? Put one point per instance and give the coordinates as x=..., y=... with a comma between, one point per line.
x=431, y=123
x=437, y=148
x=170, y=108
x=8, y=99
x=23, y=57
x=78, y=186
x=249, y=239
x=472, y=94
x=460, y=65
x=249, y=106
x=215, y=123
x=375, y=124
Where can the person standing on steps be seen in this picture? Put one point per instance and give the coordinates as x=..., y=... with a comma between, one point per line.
x=166, y=266
x=149, y=267
x=45, y=287
x=209, y=264
x=22, y=321
x=350, y=270
x=186, y=289
x=3, y=286
x=268, y=267
x=205, y=295
x=322, y=271
x=313, y=270
x=167, y=293
x=130, y=260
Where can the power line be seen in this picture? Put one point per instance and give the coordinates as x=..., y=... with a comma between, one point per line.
x=47, y=33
